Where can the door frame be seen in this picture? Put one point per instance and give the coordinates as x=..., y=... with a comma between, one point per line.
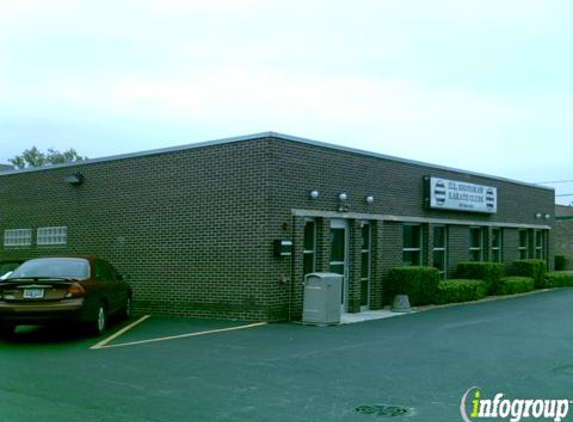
x=369, y=275
x=341, y=223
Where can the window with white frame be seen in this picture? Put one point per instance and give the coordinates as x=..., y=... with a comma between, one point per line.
x=412, y=244
x=309, y=250
x=18, y=237
x=439, y=249
x=476, y=244
x=539, y=243
x=52, y=235
x=496, y=244
x=366, y=270
x=523, y=247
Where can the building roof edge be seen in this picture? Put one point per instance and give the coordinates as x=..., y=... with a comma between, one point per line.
x=269, y=134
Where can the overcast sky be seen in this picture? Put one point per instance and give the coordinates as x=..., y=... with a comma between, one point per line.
x=481, y=85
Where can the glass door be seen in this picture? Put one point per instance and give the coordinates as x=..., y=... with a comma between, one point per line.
x=339, y=256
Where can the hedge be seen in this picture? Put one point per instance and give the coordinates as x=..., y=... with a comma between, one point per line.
x=515, y=284
x=559, y=279
x=534, y=268
x=419, y=283
x=490, y=272
x=560, y=262
x=460, y=290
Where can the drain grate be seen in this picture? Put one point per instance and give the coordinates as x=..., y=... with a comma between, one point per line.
x=383, y=410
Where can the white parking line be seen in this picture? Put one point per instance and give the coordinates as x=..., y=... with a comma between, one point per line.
x=103, y=344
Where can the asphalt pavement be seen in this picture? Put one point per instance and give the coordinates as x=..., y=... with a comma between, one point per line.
x=417, y=366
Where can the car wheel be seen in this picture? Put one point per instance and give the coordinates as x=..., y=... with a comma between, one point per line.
x=100, y=323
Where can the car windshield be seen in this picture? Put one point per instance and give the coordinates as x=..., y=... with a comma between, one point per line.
x=53, y=267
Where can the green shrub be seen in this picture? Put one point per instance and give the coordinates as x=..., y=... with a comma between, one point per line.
x=559, y=279
x=490, y=272
x=419, y=283
x=460, y=290
x=560, y=262
x=534, y=268
x=515, y=284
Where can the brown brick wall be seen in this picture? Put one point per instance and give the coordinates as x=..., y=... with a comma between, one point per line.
x=187, y=226
x=194, y=227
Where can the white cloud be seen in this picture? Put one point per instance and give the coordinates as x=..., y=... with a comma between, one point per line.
x=338, y=98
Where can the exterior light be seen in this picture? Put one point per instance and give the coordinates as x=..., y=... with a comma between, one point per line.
x=369, y=199
x=342, y=205
x=314, y=194
x=74, y=178
x=538, y=215
x=547, y=216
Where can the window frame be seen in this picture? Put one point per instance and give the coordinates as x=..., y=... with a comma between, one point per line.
x=523, y=250
x=419, y=250
x=309, y=252
x=539, y=249
x=366, y=250
x=497, y=249
x=440, y=249
x=479, y=248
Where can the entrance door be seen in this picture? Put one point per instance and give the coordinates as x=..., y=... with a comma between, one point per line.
x=339, y=256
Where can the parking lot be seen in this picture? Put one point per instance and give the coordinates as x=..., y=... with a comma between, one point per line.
x=166, y=369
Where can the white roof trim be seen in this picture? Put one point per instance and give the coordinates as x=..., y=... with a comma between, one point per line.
x=407, y=219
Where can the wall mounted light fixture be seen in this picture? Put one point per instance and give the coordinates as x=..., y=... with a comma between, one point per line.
x=369, y=199
x=547, y=216
x=314, y=194
x=342, y=205
x=74, y=178
x=538, y=215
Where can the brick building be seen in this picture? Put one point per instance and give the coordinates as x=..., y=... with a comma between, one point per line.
x=196, y=226
x=563, y=233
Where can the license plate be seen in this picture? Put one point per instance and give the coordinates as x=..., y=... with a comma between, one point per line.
x=33, y=293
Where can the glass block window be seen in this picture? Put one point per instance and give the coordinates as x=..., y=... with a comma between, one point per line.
x=18, y=237
x=496, y=245
x=52, y=235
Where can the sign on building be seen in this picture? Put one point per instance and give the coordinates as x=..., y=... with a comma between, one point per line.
x=457, y=195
